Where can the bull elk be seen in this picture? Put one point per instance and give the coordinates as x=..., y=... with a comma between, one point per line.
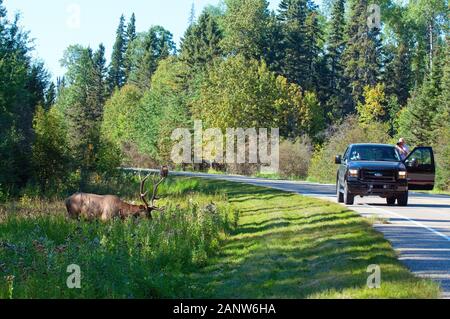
x=91, y=206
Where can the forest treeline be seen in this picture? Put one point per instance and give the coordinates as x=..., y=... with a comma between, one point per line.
x=325, y=80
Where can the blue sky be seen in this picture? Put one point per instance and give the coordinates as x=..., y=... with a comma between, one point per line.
x=53, y=27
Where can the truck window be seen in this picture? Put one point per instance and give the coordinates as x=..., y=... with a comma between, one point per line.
x=374, y=153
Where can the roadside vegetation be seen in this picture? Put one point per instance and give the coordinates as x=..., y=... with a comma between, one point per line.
x=215, y=240
x=118, y=259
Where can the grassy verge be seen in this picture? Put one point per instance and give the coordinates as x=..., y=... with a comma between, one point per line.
x=289, y=246
x=281, y=245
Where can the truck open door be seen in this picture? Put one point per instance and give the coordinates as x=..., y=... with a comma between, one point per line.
x=421, y=169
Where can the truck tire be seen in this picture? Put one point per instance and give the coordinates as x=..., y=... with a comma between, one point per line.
x=349, y=199
x=339, y=195
x=390, y=201
x=402, y=199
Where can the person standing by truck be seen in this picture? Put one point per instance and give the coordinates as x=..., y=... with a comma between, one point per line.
x=403, y=148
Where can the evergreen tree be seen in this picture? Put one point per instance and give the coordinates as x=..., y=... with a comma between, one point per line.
x=37, y=84
x=336, y=46
x=100, y=90
x=274, y=49
x=146, y=52
x=362, y=56
x=398, y=74
x=117, y=67
x=201, y=43
x=424, y=115
x=441, y=125
x=131, y=29
x=301, y=35
x=245, y=26
x=50, y=96
x=192, y=15
x=22, y=85
x=130, y=37
x=60, y=85
x=82, y=108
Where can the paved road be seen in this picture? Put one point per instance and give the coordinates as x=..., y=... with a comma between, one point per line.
x=420, y=232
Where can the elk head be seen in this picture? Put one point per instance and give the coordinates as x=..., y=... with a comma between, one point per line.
x=156, y=181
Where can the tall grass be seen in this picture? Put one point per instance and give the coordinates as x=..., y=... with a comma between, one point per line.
x=118, y=259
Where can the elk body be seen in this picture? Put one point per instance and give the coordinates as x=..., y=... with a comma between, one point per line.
x=106, y=207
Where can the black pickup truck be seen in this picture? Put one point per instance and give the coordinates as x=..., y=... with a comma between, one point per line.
x=377, y=169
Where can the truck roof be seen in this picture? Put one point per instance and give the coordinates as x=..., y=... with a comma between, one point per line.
x=372, y=144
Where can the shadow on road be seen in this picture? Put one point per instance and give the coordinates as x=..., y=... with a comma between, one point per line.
x=412, y=205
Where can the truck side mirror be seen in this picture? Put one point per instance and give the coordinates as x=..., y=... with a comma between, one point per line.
x=338, y=159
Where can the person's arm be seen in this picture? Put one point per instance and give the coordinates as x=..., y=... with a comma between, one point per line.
x=399, y=149
x=407, y=149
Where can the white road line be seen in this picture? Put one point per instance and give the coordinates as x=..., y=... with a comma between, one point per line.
x=434, y=231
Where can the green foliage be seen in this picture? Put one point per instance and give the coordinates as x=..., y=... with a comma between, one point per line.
x=50, y=154
x=245, y=25
x=374, y=107
x=362, y=56
x=397, y=76
x=336, y=45
x=145, y=52
x=83, y=108
x=201, y=42
x=22, y=86
x=263, y=99
x=121, y=115
x=416, y=120
x=164, y=108
x=301, y=41
x=147, y=119
x=117, y=74
x=425, y=120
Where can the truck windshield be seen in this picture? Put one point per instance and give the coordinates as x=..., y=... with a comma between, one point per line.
x=374, y=153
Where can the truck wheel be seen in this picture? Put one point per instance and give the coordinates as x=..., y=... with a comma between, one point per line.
x=339, y=195
x=349, y=199
x=402, y=199
x=391, y=201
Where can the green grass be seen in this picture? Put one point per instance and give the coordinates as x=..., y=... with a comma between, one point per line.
x=289, y=246
x=118, y=259
x=251, y=243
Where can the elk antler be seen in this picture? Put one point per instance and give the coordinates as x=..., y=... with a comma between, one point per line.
x=164, y=172
x=142, y=194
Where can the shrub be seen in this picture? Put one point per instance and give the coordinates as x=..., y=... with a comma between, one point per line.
x=338, y=137
x=442, y=154
x=295, y=157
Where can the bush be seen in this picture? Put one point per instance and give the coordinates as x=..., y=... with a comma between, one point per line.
x=442, y=154
x=50, y=152
x=295, y=157
x=3, y=194
x=322, y=167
